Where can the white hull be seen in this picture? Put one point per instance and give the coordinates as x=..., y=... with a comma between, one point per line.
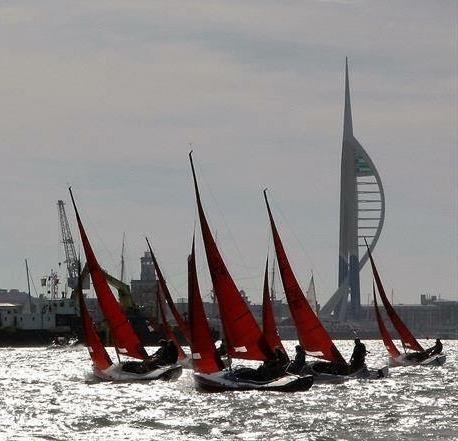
x=435, y=360
x=115, y=373
x=362, y=374
x=227, y=381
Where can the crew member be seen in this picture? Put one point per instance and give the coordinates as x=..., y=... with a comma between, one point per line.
x=436, y=349
x=298, y=363
x=358, y=357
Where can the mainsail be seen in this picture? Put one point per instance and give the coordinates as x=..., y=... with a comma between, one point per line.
x=184, y=327
x=96, y=349
x=205, y=358
x=124, y=336
x=166, y=327
x=313, y=337
x=386, y=337
x=243, y=337
x=407, y=338
x=269, y=327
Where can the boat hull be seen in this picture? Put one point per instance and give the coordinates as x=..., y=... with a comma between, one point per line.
x=364, y=373
x=227, y=381
x=115, y=373
x=435, y=360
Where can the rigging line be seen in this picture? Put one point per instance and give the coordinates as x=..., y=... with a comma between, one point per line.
x=221, y=214
x=94, y=229
x=170, y=284
x=296, y=237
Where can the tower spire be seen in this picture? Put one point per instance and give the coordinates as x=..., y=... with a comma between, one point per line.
x=348, y=123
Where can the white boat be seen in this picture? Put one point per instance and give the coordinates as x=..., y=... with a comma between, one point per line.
x=420, y=356
x=125, y=339
x=313, y=336
x=115, y=373
x=435, y=360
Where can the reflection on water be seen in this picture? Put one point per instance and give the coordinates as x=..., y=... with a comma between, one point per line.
x=51, y=394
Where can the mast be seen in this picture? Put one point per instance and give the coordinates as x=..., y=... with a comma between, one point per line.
x=273, y=294
x=28, y=285
x=269, y=327
x=121, y=278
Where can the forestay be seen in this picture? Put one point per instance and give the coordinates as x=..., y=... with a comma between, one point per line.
x=244, y=339
x=386, y=337
x=205, y=358
x=96, y=349
x=406, y=336
x=124, y=336
x=184, y=327
x=313, y=337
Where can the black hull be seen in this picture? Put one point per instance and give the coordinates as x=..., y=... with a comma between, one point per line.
x=221, y=383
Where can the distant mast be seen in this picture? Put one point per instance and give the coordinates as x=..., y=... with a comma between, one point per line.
x=122, y=258
x=28, y=288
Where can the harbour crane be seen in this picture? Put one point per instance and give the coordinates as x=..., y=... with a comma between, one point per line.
x=69, y=247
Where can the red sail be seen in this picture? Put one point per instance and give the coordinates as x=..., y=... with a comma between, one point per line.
x=167, y=329
x=386, y=337
x=97, y=350
x=205, y=358
x=269, y=327
x=184, y=327
x=243, y=336
x=124, y=336
x=408, y=340
x=313, y=337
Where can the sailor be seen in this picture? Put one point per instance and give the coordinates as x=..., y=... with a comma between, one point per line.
x=162, y=349
x=358, y=357
x=275, y=367
x=222, y=350
x=436, y=349
x=166, y=354
x=298, y=363
x=171, y=353
x=420, y=356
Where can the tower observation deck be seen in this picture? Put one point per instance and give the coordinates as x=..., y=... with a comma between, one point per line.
x=362, y=213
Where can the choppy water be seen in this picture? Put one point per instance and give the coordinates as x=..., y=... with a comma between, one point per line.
x=51, y=395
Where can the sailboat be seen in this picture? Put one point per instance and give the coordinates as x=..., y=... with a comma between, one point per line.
x=311, y=295
x=242, y=335
x=164, y=290
x=418, y=356
x=313, y=337
x=182, y=357
x=126, y=341
x=269, y=327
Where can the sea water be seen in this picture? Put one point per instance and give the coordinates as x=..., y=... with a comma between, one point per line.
x=50, y=394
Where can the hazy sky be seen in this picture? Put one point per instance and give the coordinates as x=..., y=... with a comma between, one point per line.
x=107, y=95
